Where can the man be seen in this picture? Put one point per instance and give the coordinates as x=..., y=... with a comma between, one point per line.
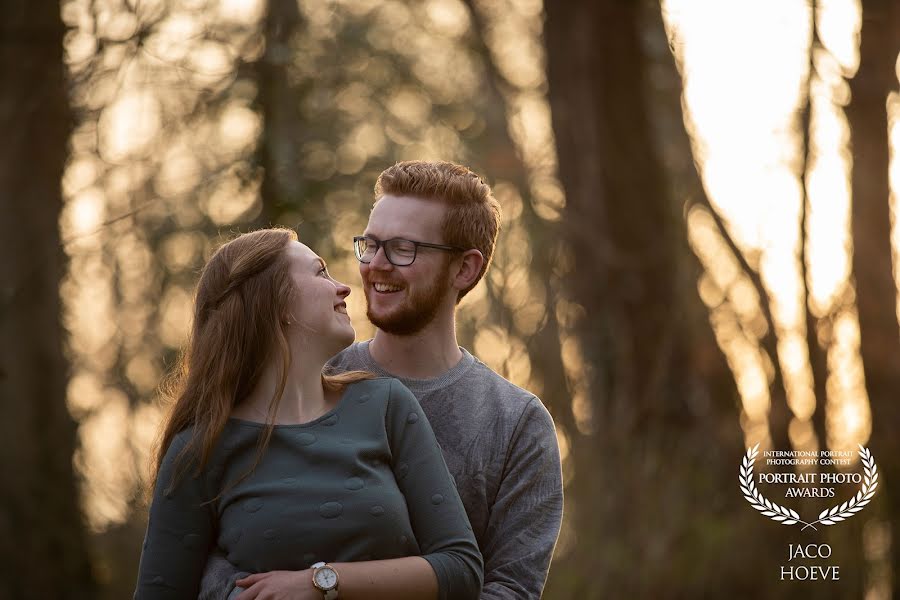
x=429, y=240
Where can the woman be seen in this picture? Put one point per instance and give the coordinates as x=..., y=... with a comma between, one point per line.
x=285, y=468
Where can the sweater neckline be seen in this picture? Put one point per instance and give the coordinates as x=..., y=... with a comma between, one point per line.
x=334, y=410
x=417, y=386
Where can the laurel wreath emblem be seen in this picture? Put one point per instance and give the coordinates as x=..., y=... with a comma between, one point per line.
x=829, y=516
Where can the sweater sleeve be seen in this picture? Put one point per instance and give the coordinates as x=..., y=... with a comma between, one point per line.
x=526, y=515
x=436, y=511
x=219, y=577
x=180, y=533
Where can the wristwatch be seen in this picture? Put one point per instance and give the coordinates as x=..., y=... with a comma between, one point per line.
x=325, y=579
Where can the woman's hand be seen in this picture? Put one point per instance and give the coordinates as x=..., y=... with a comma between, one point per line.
x=279, y=585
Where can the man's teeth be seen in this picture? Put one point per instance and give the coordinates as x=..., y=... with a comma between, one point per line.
x=341, y=309
x=384, y=287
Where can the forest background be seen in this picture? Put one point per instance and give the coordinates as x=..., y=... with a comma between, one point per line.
x=699, y=250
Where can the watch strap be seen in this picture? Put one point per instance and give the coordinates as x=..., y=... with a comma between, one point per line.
x=331, y=594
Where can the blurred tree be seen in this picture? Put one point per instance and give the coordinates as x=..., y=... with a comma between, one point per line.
x=873, y=270
x=159, y=162
x=817, y=352
x=647, y=338
x=278, y=149
x=543, y=253
x=42, y=545
x=663, y=397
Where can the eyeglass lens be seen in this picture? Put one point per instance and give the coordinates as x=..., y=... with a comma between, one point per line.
x=398, y=252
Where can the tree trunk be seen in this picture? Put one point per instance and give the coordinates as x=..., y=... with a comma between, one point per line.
x=876, y=292
x=278, y=153
x=663, y=397
x=42, y=545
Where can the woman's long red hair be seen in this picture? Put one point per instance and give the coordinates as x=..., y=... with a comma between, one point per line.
x=240, y=308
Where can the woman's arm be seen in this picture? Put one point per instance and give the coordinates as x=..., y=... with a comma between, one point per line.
x=409, y=578
x=179, y=534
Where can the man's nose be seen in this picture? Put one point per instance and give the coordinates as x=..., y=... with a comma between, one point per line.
x=380, y=261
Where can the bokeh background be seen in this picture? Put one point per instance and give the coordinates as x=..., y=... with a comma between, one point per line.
x=698, y=253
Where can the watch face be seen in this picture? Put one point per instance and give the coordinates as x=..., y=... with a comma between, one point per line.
x=326, y=578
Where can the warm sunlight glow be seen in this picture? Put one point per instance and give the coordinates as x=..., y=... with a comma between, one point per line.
x=128, y=127
x=893, y=106
x=848, y=416
x=749, y=166
x=839, y=23
x=106, y=460
x=513, y=36
x=241, y=11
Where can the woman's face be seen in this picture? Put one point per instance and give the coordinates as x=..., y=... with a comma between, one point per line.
x=319, y=312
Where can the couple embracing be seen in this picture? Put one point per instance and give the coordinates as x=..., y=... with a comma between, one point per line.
x=296, y=464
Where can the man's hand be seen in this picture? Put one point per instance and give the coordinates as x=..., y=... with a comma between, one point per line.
x=279, y=585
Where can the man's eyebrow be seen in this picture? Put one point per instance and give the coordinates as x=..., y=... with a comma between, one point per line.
x=319, y=262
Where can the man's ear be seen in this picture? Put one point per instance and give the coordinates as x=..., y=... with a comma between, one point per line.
x=468, y=269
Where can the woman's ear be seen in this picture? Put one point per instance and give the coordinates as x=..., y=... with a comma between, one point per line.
x=470, y=264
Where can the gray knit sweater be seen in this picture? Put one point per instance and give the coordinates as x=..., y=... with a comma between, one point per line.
x=364, y=481
x=500, y=445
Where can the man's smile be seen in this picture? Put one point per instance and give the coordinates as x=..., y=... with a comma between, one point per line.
x=386, y=288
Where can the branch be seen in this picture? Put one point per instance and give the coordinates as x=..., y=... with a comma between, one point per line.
x=817, y=361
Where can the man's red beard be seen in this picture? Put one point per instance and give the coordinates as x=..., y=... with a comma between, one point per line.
x=416, y=311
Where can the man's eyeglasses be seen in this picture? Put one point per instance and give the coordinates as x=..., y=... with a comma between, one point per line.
x=399, y=252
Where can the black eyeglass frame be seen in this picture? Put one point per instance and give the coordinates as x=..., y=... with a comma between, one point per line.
x=387, y=255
